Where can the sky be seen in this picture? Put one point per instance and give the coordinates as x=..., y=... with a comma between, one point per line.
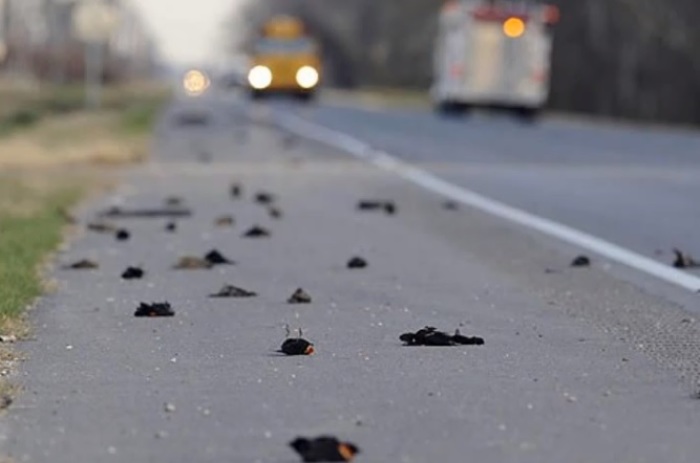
x=188, y=32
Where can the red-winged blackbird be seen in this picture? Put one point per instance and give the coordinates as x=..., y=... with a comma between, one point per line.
x=324, y=448
x=214, y=257
x=133, y=273
x=84, y=264
x=157, y=309
x=581, y=261
x=684, y=260
x=263, y=197
x=297, y=346
x=430, y=336
x=299, y=297
x=233, y=291
x=256, y=232
x=122, y=235
x=357, y=262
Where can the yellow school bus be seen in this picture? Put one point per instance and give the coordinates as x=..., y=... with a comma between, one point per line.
x=285, y=59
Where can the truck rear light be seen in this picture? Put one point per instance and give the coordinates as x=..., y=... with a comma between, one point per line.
x=513, y=27
x=551, y=14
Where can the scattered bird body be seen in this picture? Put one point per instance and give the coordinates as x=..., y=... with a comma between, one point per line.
x=430, y=336
x=372, y=204
x=236, y=190
x=83, y=264
x=224, y=221
x=324, y=448
x=450, y=205
x=122, y=234
x=581, y=261
x=357, y=262
x=297, y=346
x=233, y=291
x=684, y=260
x=173, y=201
x=274, y=212
x=257, y=232
x=264, y=197
x=171, y=227
x=192, y=263
x=214, y=257
x=133, y=273
x=101, y=227
x=118, y=212
x=156, y=309
x=299, y=297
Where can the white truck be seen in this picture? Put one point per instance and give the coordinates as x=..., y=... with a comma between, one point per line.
x=493, y=54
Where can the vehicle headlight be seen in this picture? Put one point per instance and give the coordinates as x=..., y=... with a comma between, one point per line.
x=307, y=77
x=260, y=77
x=195, y=82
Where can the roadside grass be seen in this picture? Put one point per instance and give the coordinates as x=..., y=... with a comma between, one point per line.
x=53, y=153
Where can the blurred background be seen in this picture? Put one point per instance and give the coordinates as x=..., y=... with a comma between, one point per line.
x=636, y=59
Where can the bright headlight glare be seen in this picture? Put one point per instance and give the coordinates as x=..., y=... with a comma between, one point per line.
x=307, y=77
x=260, y=77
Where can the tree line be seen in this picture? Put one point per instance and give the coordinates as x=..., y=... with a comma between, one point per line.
x=636, y=59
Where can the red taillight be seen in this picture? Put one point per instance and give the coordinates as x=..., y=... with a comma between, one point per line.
x=551, y=14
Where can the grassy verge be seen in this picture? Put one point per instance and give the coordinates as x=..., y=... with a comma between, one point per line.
x=53, y=153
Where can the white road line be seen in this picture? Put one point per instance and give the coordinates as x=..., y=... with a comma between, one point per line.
x=435, y=184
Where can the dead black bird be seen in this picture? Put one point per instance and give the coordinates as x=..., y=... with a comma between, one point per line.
x=257, y=232
x=299, y=297
x=372, y=205
x=171, y=227
x=233, y=291
x=192, y=263
x=5, y=401
x=236, y=190
x=101, y=227
x=264, y=197
x=430, y=336
x=214, y=257
x=450, y=205
x=684, y=260
x=122, y=234
x=224, y=221
x=84, y=264
x=459, y=338
x=118, y=212
x=156, y=309
x=173, y=201
x=274, y=212
x=133, y=273
x=357, y=262
x=324, y=448
x=581, y=261
x=296, y=346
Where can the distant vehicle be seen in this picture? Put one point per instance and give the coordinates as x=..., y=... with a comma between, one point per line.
x=285, y=59
x=493, y=54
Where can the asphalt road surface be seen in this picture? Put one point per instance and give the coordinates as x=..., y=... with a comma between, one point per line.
x=579, y=364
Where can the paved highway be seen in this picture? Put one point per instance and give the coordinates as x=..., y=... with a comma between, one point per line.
x=579, y=365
